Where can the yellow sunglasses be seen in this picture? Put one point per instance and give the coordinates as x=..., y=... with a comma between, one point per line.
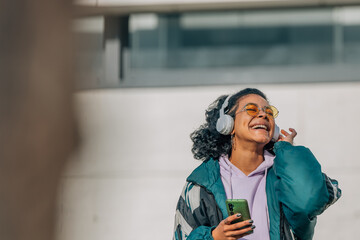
x=253, y=110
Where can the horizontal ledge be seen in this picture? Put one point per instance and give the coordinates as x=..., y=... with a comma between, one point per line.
x=176, y=6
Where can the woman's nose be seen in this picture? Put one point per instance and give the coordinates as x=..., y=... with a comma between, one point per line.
x=262, y=114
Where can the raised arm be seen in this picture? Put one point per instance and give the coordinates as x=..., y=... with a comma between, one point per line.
x=302, y=188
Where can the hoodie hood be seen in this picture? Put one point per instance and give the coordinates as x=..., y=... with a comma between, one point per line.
x=227, y=168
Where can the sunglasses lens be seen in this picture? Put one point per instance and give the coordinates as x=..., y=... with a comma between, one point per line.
x=252, y=109
x=269, y=112
x=274, y=111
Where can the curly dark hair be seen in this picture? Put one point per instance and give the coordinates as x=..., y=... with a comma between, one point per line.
x=207, y=141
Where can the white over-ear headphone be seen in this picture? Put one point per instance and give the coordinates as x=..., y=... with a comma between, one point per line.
x=225, y=123
x=276, y=133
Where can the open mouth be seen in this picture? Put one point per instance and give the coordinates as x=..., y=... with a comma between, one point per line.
x=260, y=127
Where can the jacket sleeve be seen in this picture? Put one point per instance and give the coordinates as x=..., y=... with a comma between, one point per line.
x=190, y=218
x=302, y=188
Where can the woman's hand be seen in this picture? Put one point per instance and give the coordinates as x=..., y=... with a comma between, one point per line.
x=227, y=231
x=287, y=137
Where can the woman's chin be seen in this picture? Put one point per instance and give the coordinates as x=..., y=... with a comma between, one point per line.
x=262, y=140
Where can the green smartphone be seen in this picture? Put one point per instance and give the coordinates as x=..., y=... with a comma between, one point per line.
x=234, y=206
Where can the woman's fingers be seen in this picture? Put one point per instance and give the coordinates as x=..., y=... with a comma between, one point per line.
x=293, y=132
x=242, y=232
x=285, y=133
x=239, y=225
x=232, y=231
x=288, y=137
x=242, y=224
x=231, y=218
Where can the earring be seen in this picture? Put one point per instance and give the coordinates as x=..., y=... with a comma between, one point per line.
x=233, y=143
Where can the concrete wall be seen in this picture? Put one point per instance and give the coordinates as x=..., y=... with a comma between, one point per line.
x=125, y=180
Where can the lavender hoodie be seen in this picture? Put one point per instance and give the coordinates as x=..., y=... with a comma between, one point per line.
x=252, y=188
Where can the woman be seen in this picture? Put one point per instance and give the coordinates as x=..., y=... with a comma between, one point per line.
x=283, y=184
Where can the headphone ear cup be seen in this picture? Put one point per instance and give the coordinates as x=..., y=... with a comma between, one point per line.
x=225, y=124
x=276, y=133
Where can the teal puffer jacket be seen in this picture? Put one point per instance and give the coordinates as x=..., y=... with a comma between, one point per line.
x=297, y=191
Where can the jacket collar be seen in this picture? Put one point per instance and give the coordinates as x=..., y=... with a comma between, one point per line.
x=207, y=175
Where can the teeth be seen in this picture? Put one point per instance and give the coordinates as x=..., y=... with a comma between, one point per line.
x=259, y=126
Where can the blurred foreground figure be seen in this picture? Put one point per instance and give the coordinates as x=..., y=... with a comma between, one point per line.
x=36, y=119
